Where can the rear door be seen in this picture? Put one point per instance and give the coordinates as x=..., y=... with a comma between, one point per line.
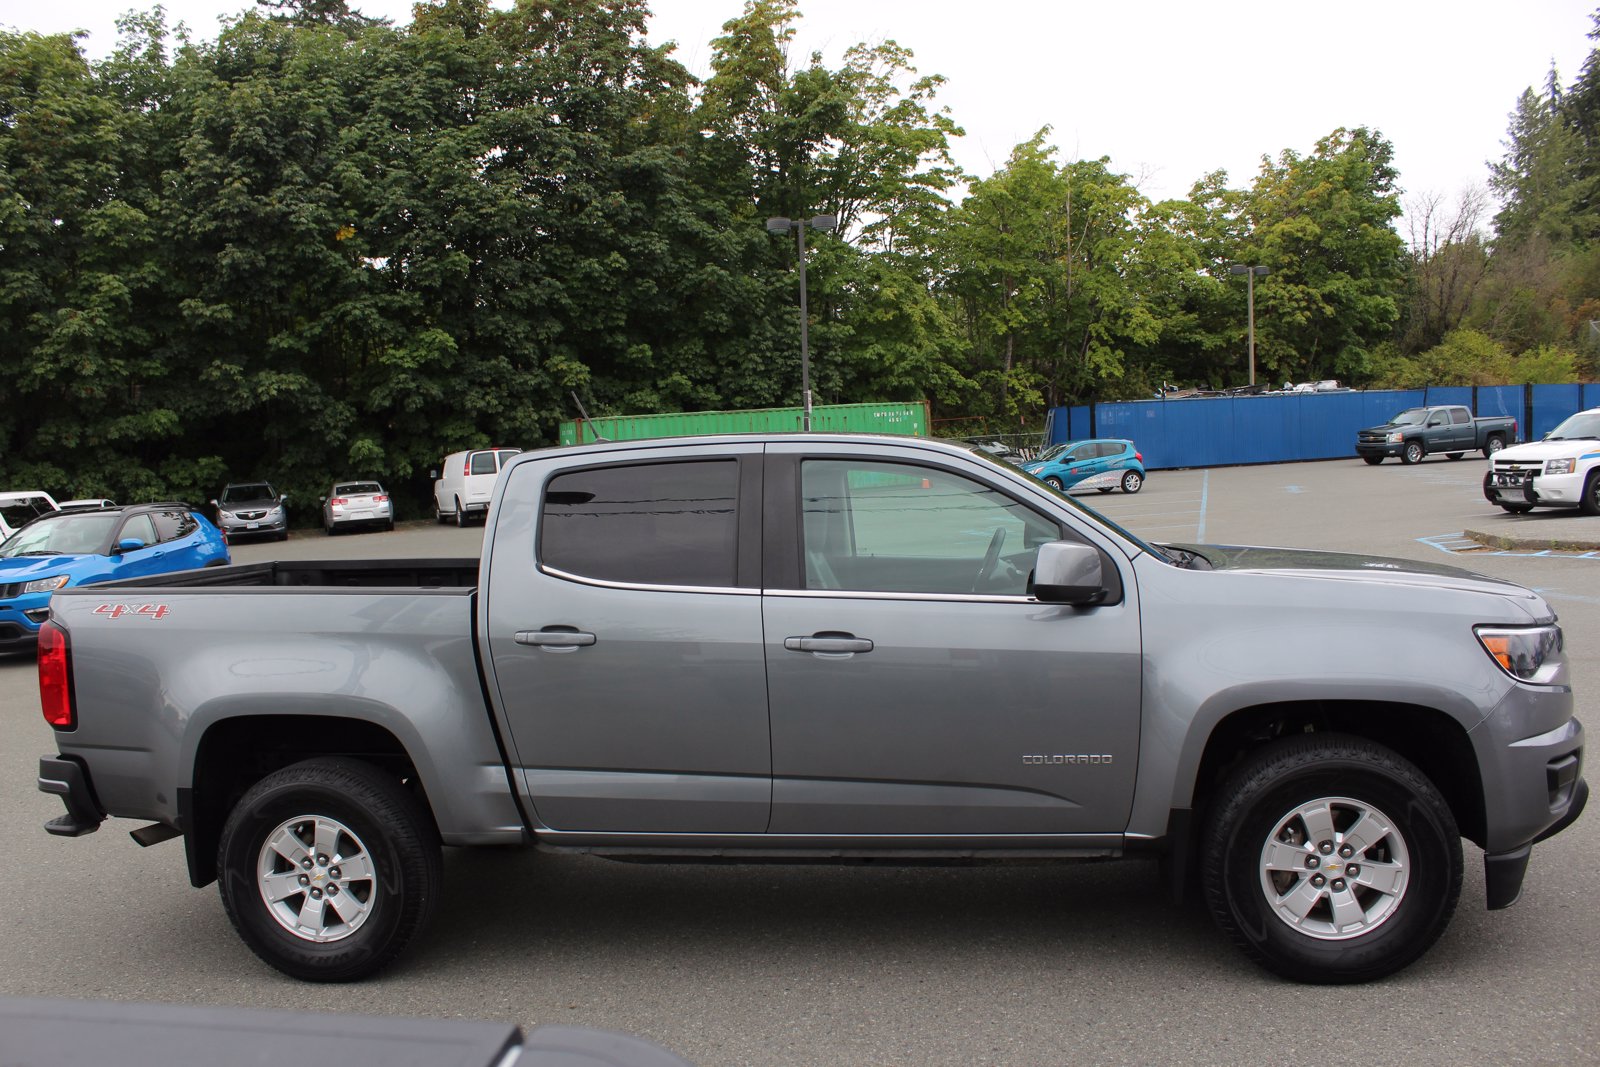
x=623, y=629
x=915, y=687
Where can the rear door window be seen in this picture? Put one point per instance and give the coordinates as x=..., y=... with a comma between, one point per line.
x=646, y=524
x=483, y=463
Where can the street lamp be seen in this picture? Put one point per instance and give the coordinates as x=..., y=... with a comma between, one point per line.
x=1250, y=273
x=782, y=225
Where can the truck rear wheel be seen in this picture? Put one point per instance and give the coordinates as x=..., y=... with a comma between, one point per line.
x=1492, y=444
x=1331, y=859
x=1412, y=452
x=328, y=868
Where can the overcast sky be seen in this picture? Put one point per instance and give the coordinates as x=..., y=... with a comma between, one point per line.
x=1168, y=90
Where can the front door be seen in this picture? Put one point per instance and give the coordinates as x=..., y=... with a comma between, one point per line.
x=915, y=687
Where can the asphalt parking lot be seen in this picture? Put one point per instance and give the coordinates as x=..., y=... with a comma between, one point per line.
x=819, y=965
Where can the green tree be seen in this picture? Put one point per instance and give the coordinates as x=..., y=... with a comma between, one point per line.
x=1323, y=223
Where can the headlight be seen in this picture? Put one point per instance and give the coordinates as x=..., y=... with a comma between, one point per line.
x=225, y=514
x=1521, y=652
x=1395, y=438
x=1559, y=466
x=45, y=585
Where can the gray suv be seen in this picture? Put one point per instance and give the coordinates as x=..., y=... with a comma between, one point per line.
x=252, y=509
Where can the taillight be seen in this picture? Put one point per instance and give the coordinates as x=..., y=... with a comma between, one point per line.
x=1139, y=456
x=55, y=677
x=338, y=502
x=380, y=499
x=466, y=467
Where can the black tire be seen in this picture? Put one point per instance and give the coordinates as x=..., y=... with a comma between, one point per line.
x=389, y=526
x=1492, y=444
x=1259, y=871
x=377, y=823
x=1372, y=461
x=461, y=514
x=1589, y=503
x=1518, y=509
x=1455, y=455
x=1412, y=452
x=438, y=513
x=1105, y=488
x=1132, y=481
x=1055, y=483
x=328, y=530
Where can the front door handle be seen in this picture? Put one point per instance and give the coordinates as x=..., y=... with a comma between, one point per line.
x=828, y=643
x=556, y=639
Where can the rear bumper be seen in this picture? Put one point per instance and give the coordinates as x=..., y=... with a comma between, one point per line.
x=69, y=780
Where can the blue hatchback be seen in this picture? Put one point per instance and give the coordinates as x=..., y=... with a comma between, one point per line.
x=67, y=548
x=1112, y=463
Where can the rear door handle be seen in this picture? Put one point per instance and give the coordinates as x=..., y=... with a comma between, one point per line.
x=556, y=639
x=836, y=644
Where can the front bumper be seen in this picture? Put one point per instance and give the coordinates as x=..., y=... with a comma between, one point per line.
x=1539, y=490
x=20, y=619
x=253, y=528
x=1380, y=448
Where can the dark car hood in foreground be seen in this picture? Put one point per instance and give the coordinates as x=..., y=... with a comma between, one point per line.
x=1349, y=565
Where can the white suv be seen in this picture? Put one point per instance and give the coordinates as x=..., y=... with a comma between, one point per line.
x=1561, y=471
x=18, y=509
x=465, y=480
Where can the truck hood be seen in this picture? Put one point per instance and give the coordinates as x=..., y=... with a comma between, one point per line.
x=1348, y=566
x=1539, y=451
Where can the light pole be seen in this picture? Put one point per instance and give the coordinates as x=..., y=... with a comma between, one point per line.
x=782, y=225
x=1250, y=274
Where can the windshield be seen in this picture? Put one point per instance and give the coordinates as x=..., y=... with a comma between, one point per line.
x=1410, y=417
x=62, y=535
x=1584, y=426
x=1054, y=450
x=239, y=494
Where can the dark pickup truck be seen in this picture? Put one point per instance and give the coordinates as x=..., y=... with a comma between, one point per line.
x=1447, y=428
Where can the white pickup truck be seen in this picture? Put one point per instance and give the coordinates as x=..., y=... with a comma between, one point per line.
x=1561, y=471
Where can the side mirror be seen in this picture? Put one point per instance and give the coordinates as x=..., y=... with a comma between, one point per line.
x=434, y=475
x=128, y=544
x=283, y=498
x=1068, y=573
x=215, y=504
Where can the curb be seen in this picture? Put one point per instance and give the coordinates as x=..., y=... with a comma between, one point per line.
x=1589, y=542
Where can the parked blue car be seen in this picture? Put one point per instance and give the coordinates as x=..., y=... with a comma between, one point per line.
x=66, y=548
x=1065, y=465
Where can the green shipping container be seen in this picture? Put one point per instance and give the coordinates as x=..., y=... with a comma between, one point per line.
x=910, y=419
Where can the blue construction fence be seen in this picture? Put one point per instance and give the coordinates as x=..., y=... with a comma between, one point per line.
x=1220, y=431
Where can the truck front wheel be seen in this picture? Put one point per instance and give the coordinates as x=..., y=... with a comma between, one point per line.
x=328, y=868
x=1412, y=452
x=1331, y=859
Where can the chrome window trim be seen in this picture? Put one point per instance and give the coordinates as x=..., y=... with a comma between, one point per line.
x=607, y=583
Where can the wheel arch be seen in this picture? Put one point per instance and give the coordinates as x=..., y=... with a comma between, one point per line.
x=1431, y=739
x=235, y=753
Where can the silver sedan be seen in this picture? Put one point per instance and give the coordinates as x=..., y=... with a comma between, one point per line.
x=352, y=504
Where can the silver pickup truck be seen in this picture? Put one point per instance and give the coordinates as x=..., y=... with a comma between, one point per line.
x=821, y=648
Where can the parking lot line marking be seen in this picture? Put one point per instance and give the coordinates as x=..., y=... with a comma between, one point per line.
x=1454, y=543
x=1205, y=491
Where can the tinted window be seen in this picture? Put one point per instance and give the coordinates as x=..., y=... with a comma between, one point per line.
x=483, y=463
x=1459, y=416
x=887, y=527
x=650, y=524
x=357, y=489
x=506, y=454
x=171, y=525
